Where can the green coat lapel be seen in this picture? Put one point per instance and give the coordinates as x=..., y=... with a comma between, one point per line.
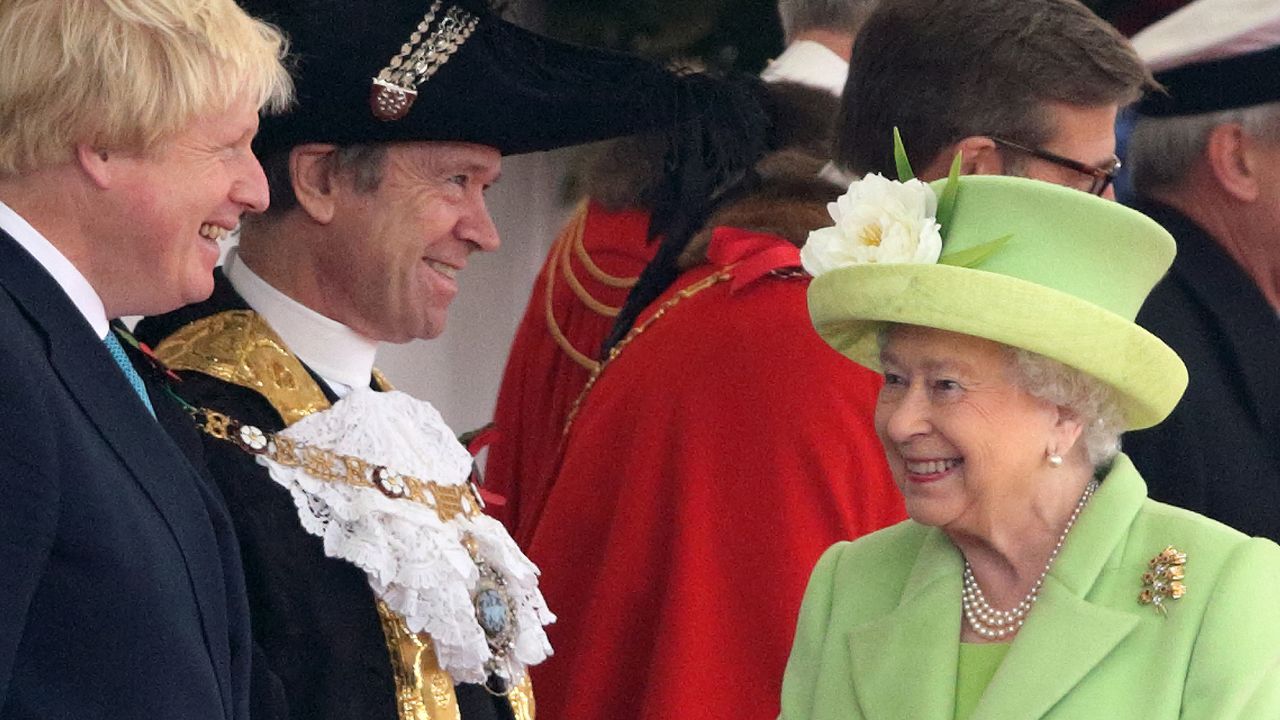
x=1052, y=654
x=1066, y=635
x=904, y=663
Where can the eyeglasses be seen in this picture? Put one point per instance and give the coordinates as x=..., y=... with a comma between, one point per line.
x=1102, y=176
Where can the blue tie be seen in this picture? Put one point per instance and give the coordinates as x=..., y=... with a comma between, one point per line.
x=117, y=354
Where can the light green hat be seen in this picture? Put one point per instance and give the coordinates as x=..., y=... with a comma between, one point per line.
x=1026, y=263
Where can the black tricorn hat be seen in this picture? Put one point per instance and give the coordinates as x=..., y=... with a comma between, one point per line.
x=453, y=70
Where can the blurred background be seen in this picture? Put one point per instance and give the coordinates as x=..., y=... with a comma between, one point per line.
x=459, y=372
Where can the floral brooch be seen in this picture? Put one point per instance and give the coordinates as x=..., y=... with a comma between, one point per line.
x=1163, y=582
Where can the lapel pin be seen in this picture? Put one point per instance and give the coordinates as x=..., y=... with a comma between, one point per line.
x=1163, y=582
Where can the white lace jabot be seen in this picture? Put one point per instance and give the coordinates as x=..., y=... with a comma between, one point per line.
x=445, y=577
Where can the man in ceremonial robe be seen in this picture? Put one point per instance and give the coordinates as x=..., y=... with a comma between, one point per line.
x=700, y=477
x=379, y=177
x=124, y=155
x=1205, y=156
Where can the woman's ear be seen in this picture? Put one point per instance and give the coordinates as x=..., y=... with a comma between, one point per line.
x=311, y=175
x=1066, y=432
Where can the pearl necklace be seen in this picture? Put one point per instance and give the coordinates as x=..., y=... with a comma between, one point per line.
x=991, y=623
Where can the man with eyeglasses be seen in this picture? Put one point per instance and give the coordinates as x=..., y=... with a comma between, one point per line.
x=1026, y=88
x=1206, y=165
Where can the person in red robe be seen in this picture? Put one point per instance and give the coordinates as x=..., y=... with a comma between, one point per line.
x=597, y=259
x=698, y=479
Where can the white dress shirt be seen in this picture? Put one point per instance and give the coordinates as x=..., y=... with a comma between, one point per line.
x=338, y=354
x=811, y=64
x=72, y=282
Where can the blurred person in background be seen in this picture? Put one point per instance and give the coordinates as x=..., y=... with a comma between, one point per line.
x=691, y=431
x=691, y=462
x=1029, y=88
x=1205, y=156
x=599, y=256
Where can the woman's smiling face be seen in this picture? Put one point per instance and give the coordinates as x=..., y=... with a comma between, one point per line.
x=966, y=444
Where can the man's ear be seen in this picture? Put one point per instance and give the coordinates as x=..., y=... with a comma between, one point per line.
x=311, y=174
x=1227, y=151
x=979, y=156
x=96, y=164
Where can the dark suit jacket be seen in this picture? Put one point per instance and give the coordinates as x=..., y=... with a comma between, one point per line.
x=1219, y=452
x=314, y=617
x=123, y=594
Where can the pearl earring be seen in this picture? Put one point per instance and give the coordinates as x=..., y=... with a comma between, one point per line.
x=1055, y=460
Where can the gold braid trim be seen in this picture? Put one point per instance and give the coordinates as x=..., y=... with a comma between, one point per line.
x=423, y=690
x=557, y=256
x=566, y=268
x=580, y=249
x=239, y=347
x=559, y=262
x=636, y=331
x=521, y=697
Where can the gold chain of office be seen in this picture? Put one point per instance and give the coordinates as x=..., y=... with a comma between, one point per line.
x=449, y=501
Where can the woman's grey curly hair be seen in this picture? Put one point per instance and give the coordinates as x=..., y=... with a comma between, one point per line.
x=1091, y=401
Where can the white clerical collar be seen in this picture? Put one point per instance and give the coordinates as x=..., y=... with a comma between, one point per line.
x=340, y=355
x=808, y=63
x=72, y=282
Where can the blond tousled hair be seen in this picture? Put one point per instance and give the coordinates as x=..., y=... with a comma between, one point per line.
x=125, y=74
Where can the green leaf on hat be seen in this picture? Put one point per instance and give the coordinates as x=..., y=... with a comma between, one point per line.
x=974, y=255
x=947, y=202
x=900, y=158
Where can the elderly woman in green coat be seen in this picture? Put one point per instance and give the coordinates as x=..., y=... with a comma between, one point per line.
x=1035, y=579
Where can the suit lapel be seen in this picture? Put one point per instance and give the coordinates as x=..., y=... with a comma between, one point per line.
x=82, y=362
x=904, y=663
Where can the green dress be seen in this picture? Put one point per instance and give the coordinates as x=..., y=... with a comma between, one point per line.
x=978, y=664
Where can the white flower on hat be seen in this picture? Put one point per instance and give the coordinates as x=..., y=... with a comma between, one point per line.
x=877, y=221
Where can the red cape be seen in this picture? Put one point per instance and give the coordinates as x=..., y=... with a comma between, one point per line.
x=587, y=275
x=711, y=464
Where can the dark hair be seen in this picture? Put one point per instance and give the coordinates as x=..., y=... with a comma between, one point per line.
x=944, y=70
x=795, y=117
x=364, y=164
